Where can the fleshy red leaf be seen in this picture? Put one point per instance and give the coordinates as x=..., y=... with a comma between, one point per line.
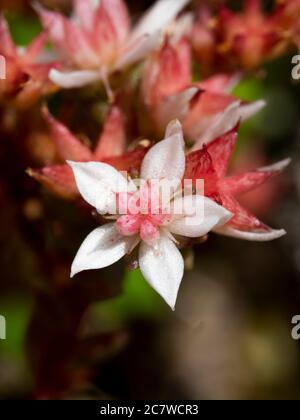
x=113, y=137
x=68, y=146
x=221, y=151
x=199, y=166
x=240, y=184
x=57, y=178
x=242, y=219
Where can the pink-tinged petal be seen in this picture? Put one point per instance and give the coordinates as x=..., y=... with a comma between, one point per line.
x=173, y=128
x=118, y=12
x=165, y=160
x=200, y=215
x=105, y=35
x=53, y=23
x=35, y=48
x=74, y=79
x=162, y=266
x=167, y=72
x=113, y=138
x=240, y=184
x=174, y=107
x=251, y=236
x=59, y=179
x=248, y=110
x=85, y=12
x=7, y=46
x=67, y=145
x=102, y=248
x=221, y=150
x=81, y=52
x=210, y=115
x=98, y=183
x=137, y=49
x=220, y=83
x=222, y=123
x=159, y=16
x=62, y=32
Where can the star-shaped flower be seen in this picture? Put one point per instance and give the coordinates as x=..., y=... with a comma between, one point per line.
x=148, y=218
x=251, y=37
x=105, y=41
x=211, y=164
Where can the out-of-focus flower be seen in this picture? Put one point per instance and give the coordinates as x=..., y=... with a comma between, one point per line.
x=204, y=37
x=250, y=37
x=26, y=74
x=211, y=164
x=110, y=148
x=159, y=258
x=205, y=109
x=288, y=18
x=98, y=40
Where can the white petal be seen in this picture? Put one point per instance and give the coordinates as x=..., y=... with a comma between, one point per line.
x=201, y=215
x=165, y=160
x=182, y=27
x=74, y=79
x=233, y=82
x=138, y=49
x=279, y=166
x=249, y=110
x=223, y=123
x=98, y=184
x=163, y=268
x=174, y=128
x=175, y=106
x=102, y=248
x=251, y=236
x=159, y=16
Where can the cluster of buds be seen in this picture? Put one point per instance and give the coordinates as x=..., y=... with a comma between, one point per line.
x=197, y=119
x=248, y=38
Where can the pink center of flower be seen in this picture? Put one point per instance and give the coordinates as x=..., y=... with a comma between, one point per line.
x=142, y=214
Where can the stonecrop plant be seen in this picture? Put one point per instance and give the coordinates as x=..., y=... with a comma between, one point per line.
x=161, y=87
x=137, y=139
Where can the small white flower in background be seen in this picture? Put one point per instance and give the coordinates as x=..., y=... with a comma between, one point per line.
x=159, y=258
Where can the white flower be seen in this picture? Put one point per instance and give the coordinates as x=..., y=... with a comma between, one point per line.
x=159, y=258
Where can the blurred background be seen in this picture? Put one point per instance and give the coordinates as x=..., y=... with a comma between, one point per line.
x=107, y=334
